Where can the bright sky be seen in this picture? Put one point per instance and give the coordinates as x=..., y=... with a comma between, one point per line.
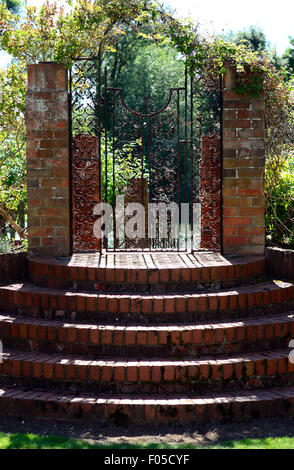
x=274, y=17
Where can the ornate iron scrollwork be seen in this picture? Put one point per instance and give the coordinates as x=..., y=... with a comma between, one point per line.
x=85, y=191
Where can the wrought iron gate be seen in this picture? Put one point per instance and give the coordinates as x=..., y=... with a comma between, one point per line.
x=170, y=155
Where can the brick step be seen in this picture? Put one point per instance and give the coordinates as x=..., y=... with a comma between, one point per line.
x=49, y=336
x=156, y=410
x=247, y=370
x=137, y=272
x=259, y=299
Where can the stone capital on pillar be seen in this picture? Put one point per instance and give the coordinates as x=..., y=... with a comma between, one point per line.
x=48, y=160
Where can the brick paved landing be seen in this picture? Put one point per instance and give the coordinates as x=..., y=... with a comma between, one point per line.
x=144, y=272
x=150, y=260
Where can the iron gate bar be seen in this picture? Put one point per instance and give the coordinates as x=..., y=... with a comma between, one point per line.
x=106, y=151
x=142, y=158
x=149, y=152
x=105, y=133
x=113, y=166
x=186, y=143
x=178, y=155
x=99, y=133
x=192, y=159
x=221, y=164
x=70, y=162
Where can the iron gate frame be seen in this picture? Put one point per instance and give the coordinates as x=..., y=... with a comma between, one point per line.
x=101, y=101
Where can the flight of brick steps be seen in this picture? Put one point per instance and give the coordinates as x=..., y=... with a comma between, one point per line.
x=147, y=338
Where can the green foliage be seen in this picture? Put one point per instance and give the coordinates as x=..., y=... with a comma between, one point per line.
x=12, y=145
x=279, y=190
x=288, y=60
x=12, y=137
x=5, y=244
x=149, y=72
x=254, y=38
x=13, y=5
x=89, y=26
x=127, y=167
x=8, y=245
x=51, y=34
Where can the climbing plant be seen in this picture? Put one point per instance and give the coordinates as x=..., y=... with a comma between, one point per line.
x=12, y=149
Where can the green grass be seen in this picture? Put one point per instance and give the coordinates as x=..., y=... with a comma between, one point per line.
x=33, y=441
x=266, y=443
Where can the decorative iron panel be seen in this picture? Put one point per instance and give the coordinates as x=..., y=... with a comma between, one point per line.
x=85, y=191
x=209, y=191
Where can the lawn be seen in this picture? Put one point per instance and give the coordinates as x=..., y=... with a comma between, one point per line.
x=34, y=441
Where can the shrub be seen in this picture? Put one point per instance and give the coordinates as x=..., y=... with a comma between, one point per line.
x=279, y=191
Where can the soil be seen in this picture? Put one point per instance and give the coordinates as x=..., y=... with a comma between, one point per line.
x=210, y=434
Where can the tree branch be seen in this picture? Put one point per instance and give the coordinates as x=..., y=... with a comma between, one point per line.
x=20, y=231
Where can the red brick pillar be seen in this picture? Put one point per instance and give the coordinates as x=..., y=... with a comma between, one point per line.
x=48, y=160
x=243, y=171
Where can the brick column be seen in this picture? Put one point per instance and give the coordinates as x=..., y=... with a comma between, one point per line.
x=243, y=171
x=48, y=160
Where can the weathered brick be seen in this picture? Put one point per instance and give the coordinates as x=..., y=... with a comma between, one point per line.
x=43, y=110
x=243, y=163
